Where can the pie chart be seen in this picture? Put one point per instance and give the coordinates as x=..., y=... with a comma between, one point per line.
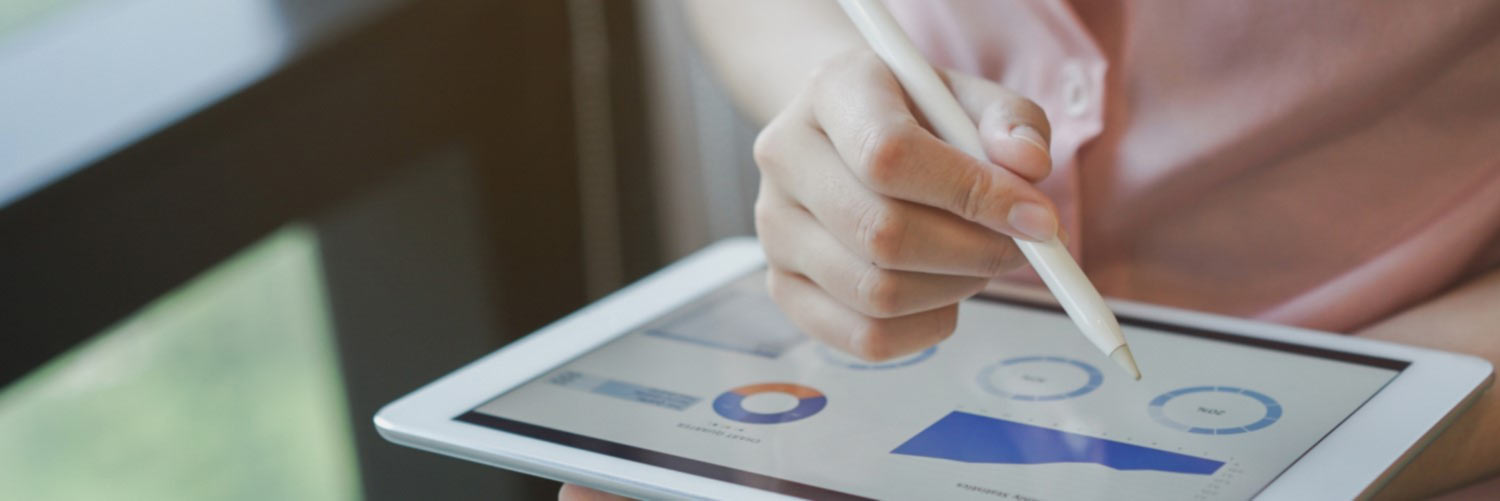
x=1214, y=410
x=1040, y=378
x=806, y=402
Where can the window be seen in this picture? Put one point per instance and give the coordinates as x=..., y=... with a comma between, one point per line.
x=226, y=388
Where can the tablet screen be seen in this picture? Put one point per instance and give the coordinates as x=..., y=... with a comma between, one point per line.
x=1016, y=405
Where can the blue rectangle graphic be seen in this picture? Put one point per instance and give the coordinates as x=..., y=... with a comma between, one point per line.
x=971, y=438
x=623, y=390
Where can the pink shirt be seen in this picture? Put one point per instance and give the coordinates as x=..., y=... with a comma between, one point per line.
x=1319, y=163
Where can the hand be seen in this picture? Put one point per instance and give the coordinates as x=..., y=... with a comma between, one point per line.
x=572, y=492
x=874, y=228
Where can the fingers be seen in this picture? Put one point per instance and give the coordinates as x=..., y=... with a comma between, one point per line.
x=886, y=232
x=875, y=229
x=863, y=113
x=1014, y=130
x=570, y=492
x=821, y=316
x=794, y=242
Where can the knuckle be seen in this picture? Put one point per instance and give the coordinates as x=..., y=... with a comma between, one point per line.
x=984, y=197
x=764, y=212
x=879, y=292
x=767, y=147
x=1002, y=256
x=974, y=199
x=780, y=247
x=777, y=287
x=765, y=216
x=882, y=231
x=883, y=150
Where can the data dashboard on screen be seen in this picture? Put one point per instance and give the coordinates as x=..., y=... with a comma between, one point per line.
x=1015, y=405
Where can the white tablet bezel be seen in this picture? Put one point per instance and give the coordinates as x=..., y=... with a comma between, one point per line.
x=1353, y=460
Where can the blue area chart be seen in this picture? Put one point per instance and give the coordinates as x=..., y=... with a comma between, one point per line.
x=971, y=438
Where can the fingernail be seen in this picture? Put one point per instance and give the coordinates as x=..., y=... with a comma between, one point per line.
x=1031, y=135
x=1033, y=221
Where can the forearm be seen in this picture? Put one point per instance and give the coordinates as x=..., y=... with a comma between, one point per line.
x=764, y=50
x=1466, y=320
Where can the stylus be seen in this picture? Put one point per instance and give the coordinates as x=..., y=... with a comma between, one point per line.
x=1051, y=260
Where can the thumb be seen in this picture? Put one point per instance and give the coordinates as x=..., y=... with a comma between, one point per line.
x=1014, y=130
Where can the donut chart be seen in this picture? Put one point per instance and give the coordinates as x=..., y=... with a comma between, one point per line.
x=1040, y=378
x=1214, y=410
x=730, y=404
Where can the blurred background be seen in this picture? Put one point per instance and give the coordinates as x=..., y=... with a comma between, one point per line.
x=232, y=230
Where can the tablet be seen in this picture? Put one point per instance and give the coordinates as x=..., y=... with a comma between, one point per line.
x=691, y=384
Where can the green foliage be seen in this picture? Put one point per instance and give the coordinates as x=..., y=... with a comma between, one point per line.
x=227, y=388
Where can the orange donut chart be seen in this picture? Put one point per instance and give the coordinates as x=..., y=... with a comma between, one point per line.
x=730, y=403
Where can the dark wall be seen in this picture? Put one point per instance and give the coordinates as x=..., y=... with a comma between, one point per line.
x=432, y=146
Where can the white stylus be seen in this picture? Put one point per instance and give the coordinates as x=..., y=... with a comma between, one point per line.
x=1050, y=259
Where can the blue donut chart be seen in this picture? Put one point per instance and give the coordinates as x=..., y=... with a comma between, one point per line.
x=1095, y=378
x=730, y=404
x=1158, y=412
x=829, y=357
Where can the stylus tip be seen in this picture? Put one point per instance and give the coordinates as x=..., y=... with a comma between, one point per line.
x=1125, y=360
